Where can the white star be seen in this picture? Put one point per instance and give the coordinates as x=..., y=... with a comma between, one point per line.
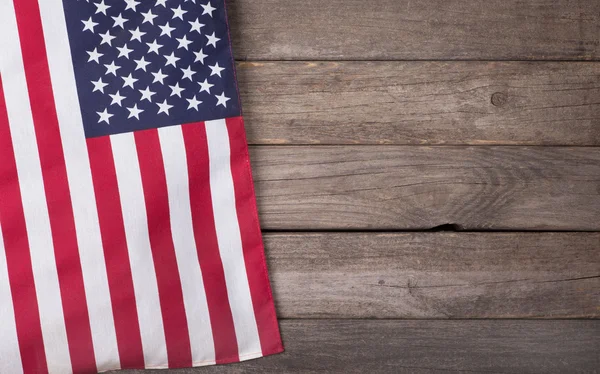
x=141, y=64
x=89, y=25
x=164, y=107
x=208, y=9
x=183, y=42
x=154, y=47
x=161, y=2
x=112, y=68
x=188, y=73
x=137, y=34
x=94, y=55
x=106, y=38
x=178, y=13
x=149, y=17
x=193, y=103
x=101, y=8
x=146, y=94
x=171, y=60
x=196, y=26
x=116, y=98
x=216, y=70
x=212, y=40
x=134, y=112
x=205, y=86
x=222, y=99
x=124, y=51
x=104, y=116
x=120, y=21
x=176, y=90
x=99, y=85
x=159, y=76
x=129, y=81
x=200, y=56
x=131, y=4
x=166, y=29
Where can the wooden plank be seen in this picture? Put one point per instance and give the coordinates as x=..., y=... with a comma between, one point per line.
x=518, y=103
x=414, y=187
x=435, y=275
x=390, y=346
x=415, y=30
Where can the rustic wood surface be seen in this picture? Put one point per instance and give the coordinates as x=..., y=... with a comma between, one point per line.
x=322, y=125
x=391, y=346
x=375, y=117
x=415, y=30
x=480, y=103
x=408, y=187
x=435, y=275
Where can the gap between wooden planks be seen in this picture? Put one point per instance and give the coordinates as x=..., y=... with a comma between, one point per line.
x=488, y=346
x=386, y=102
x=415, y=30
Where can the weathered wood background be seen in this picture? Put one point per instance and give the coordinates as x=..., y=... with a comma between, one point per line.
x=422, y=161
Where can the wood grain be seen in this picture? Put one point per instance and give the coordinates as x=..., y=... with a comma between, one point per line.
x=519, y=103
x=415, y=30
x=408, y=187
x=352, y=100
x=363, y=346
x=435, y=275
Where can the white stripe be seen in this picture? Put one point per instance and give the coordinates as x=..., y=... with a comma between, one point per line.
x=140, y=253
x=81, y=186
x=194, y=297
x=32, y=191
x=229, y=238
x=10, y=356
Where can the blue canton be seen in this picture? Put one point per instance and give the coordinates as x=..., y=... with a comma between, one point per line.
x=150, y=63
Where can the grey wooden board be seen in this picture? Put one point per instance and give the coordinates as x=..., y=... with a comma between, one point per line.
x=435, y=275
x=525, y=103
x=415, y=30
x=416, y=187
x=389, y=346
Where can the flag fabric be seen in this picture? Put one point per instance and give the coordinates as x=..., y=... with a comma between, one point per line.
x=129, y=235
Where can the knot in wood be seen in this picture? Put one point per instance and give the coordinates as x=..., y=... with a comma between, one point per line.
x=499, y=99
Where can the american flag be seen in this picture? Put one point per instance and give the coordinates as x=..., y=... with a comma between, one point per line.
x=129, y=236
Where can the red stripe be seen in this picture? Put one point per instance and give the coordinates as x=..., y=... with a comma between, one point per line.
x=56, y=185
x=196, y=148
x=170, y=292
x=118, y=267
x=254, y=257
x=18, y=257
